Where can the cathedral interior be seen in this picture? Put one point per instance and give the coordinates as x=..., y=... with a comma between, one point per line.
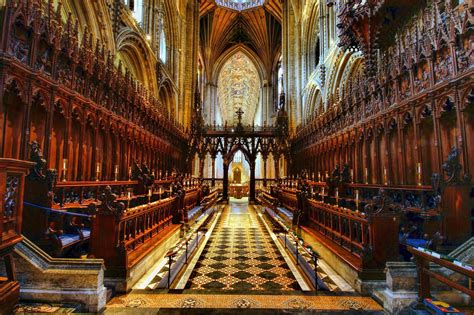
x=237, y=156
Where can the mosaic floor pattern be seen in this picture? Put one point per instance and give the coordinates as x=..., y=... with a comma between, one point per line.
x=180, y=249
x=292, y=303
x=241, y=255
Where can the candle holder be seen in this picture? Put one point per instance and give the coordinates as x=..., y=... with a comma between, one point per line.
x=418, y=174
x=116, y=172
x=129, y=197
x=149, y=195
x=357, y=199
x=97, y=172
x=64, y=170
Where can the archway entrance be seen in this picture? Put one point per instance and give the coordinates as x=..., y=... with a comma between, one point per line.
x=239, y=176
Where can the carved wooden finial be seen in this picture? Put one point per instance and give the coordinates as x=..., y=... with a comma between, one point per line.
x=58, y=12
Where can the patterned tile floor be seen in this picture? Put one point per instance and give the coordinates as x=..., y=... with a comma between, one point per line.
x=241, y=255
x=181, y=248
x=241, y=270
x=294, y=304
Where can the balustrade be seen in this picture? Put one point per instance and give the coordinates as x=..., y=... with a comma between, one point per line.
x=425, y=258
x=12, y=180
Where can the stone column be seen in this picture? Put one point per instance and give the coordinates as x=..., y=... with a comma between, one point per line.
x=252, y=182
x=265, y=157
x=213, y=171
x=225, y=190
x=201, y=166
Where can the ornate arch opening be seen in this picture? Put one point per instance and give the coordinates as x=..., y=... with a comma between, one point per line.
x=239, y=87
x=133, y=53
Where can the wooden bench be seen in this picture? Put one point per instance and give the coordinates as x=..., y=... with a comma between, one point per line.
x=58, y=232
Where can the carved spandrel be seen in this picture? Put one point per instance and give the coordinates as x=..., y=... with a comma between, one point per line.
x=11, y=196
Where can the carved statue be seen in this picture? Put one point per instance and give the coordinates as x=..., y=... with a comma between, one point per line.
x=37, y=156
x=436, y=184
x=335, y=176
x=381, y=204
x=40, y=182
x=346, y=174
x=108, y=203
x=452, y=167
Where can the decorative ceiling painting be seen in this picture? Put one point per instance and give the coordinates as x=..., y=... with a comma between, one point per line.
x=240, y=5
x=238, y=87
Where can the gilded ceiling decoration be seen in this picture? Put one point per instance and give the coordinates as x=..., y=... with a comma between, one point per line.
x=240, y=5
x=238, y=87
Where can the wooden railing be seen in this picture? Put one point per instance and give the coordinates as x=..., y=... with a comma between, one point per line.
x=366, y=240
x=423, y=260
x=119, y=235
x=68, y=194
x=287, y=197
x=349, y=229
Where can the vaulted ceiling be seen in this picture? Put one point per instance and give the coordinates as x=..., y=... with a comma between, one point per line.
x=258, y=29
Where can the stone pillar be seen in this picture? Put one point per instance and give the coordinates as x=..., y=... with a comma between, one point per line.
x=225, y=184
x=265, y=170
x=252, y=182
x=201, y=166
x=213, y=183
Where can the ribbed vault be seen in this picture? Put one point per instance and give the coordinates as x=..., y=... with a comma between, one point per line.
x=259, y=29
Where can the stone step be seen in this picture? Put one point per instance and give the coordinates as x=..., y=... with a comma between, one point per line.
x=26, y=307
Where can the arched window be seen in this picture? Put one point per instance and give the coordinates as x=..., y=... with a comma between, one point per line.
x=163, y=49
x=316, y=53
x=136, y=6
x=280, y=78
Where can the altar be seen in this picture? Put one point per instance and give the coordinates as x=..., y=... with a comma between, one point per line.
x=238, y=191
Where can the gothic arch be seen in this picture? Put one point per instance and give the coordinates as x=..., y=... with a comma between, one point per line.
x=311, y=28
x=167, y=98
x=228, y=157
x=239, y=85
x=137, y=58
x=91, y=15
x=230, y=53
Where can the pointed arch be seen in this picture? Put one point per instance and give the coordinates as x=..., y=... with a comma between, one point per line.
x=137, y=58
x=230, y=53
x=239, y=86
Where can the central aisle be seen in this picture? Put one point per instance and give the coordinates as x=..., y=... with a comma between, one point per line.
x=241, y=255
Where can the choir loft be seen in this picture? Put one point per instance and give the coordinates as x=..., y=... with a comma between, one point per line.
x=225, y=156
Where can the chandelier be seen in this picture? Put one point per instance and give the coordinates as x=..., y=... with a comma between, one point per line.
x=240, y=5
